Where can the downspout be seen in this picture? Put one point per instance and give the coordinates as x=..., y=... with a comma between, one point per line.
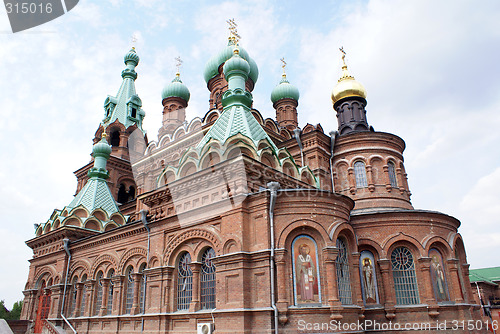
x=296, y=133
x=144, y=220
x=66, y=248
x=333, y=136
x=273, y=188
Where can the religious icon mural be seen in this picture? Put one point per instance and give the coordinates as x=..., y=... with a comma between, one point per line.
x=305, y=271
x=438, y=276
x=368, y=278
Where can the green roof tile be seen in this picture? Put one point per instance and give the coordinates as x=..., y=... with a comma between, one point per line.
x=485, y=275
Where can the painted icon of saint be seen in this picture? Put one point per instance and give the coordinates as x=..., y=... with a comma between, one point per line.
x=438, y=278
x=369, y=281
x=306, y=274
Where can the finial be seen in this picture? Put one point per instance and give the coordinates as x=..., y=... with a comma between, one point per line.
x=178, y=63
x=343, y=56
x=233, y=32
x=345, y=72
x=104, y=135
x=283, y=65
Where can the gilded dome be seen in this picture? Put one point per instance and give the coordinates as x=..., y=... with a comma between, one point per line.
x=347, y=87
x=212, y=66
x=284, y=90
x=176, y=89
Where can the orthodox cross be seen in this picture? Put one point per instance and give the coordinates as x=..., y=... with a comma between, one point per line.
x=134, y=40
x=178, y=63
x=343, y=54
x=233, y=32
x=283, y=64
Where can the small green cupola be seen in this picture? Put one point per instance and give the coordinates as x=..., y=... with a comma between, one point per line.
x=176, y=89
x=284, y=90
x=101, y=152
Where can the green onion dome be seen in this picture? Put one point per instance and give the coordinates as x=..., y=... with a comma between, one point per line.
x=176, y=89
x=131, y=56
x=236, y=64
x=212, y=66
x=284, y=90
x=102, y=148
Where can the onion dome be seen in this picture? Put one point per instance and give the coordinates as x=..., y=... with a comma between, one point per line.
x=284, y=90
x=102, y=148
x=212, y=66
x=132, y=57
x=347, y=86
x=236, y=64
x=176, y=89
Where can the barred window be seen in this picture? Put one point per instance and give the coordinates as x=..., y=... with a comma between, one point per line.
x=84, y=296
x=207, y=286
x=392, y=174
x=184, y=282
x=343, y=280
x=405, y=280
x=130, y=290
x=98, y=293
x=141, y=288
x=109, y=307
x=72, y=296
x=360, y=174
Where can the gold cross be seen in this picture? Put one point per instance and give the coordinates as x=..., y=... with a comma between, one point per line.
x=134, y=39
x=178, y=63
x=283, y=64
x=343, y=54
x=233, y=31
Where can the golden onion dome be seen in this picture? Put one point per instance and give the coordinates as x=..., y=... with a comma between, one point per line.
x=347, y=86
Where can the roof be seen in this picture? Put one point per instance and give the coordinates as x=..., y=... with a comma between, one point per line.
x=488, y=275
x=95, y=195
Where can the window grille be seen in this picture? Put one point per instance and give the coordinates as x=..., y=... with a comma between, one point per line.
x=110, y=293
x=130, y=290
x=84, y=296
x=392, y=174
x=184, y=282
x=207, y=286
x=343, y=280
x=360, y=174
x=98, y=299
x=405, y=280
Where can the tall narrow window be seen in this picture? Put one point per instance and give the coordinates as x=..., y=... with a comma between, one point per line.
x=392, y=174
x=405, y=280
x=109, y=310
x=133, y=112
x=130, y=289
x=141, y=288
x=115, y=138
x=207, y=286
x=72, y=297
x=360, y=174
x=98, y=293
x=343, y=278
x=184, y=282
x=84, y=296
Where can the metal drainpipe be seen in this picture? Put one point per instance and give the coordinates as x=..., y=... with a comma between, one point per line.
x=333, y=136
x=66, y=248
x=273, y=188
x=296, y=133
x=144, y=220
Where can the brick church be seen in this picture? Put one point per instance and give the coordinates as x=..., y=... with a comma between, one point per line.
x=233, y=223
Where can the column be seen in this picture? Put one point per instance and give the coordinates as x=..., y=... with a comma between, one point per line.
x=117, y=294
x=282, y=301
x=357, y=296
x=89, y=300
x=425, y=286
x=350, y=178
x=369, y=178
x=78, y=303
x=168, y=298
x=329, y=256
x=454, y=283
x=389, y=297
x=387, y=181
x=195, y=300
x=136, y=308
x=105, y=295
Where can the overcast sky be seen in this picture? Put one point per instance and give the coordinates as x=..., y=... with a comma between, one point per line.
x=430, y=69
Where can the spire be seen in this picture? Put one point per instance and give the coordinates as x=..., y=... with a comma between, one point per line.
x=126, y=106
x=349, y=101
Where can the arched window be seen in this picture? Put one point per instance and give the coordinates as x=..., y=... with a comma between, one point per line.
x=72, y=296
x=184, y=282
x=129, y=298
x=122, y=194
x=392, y=174
x=343, y=277
x=98, y=293
x=84, y=296
x=405, y=280
x=360, y=174
x=141, y=288
x=438, y=276
x=109, y=310
x=115, y=138
x=207, y=278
